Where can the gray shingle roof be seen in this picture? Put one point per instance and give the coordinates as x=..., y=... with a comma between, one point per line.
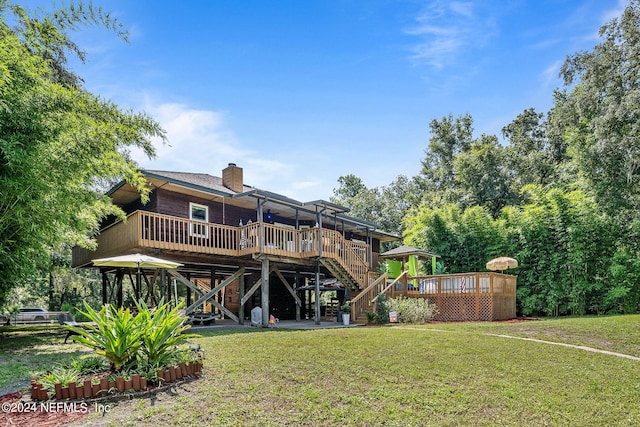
x=406, y=251
x=199, y=179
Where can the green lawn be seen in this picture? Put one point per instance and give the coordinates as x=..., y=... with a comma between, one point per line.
x=440, y=374
x=27, y=351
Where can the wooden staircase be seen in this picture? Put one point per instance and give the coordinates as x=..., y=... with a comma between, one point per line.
x=339, y=256
x=365, y=301
x=340, y=273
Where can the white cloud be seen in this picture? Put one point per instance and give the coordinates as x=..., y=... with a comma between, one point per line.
x=462, y=8
x=200, y=141
x=446, y=29
x=615, y=12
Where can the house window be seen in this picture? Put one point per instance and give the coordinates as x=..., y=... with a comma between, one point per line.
x=199, y=213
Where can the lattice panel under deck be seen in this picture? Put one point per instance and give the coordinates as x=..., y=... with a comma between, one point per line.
x=504, y=307
x=464, y=307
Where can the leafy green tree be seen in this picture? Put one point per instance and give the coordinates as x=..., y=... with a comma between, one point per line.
x=535, y=155
x=464, y=170
x=385, y=206
x=466, y=240
x=449, y=137
x=482, y=177
x=363, y=202
x=57, y=140
x=599, y=116
x=566, y=244
x=396, y=201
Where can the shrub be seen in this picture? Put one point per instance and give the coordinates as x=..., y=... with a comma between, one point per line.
x=412, y=310
x=371, y=316
x=382, y=312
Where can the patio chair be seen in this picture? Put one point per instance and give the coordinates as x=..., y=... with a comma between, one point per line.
x=65, y=319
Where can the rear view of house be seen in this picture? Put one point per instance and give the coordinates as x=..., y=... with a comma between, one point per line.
x=240, y=247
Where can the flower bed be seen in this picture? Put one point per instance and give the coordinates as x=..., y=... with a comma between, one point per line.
x=109, y=385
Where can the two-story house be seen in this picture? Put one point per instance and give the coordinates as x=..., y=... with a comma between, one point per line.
x=239, y=246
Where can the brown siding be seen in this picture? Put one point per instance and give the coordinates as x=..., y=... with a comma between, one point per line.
x=151, y=205
x=177, y=204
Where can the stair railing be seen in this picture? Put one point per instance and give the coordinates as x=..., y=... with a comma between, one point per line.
x=362, y=302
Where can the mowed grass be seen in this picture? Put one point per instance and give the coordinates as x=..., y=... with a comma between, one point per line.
x=619, y=334
x=440, y=374
x=28, y=351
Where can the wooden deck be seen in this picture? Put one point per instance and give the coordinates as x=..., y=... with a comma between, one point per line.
x=459, y=297
x=144, y=229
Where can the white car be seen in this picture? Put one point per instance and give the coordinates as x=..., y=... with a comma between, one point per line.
x=32, y=314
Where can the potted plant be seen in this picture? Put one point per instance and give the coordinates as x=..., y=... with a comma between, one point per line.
x=346, y=313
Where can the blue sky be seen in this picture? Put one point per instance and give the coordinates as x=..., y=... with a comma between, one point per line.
x=301, y=92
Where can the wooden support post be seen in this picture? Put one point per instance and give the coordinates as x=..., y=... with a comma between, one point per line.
x=188, y=301
x=405, y=285
x=241, y=282
x=138, y=287
x=212, y=281
x=261, y=230
x=167, y=282
x=265, y=292
x=119, y=277
x=317, y=291
x=105, y=281
x=297, y=285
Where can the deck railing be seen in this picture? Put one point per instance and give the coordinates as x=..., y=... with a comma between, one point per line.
x=364, y=301
x=169, y=232
x=144, y=229
x=463, y=296
x=349, y=254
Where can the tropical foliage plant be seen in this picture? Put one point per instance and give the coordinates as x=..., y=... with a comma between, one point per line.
x=148, y=340
x=59, y=375
x=371, y=316
x=162, y=333
x=114, y=333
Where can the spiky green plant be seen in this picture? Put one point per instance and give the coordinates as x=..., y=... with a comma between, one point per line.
x=163, y=331
x=59, y=375
x=115, y=334
x=89, y=365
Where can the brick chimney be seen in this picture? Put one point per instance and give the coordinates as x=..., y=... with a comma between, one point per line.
x=232, y=178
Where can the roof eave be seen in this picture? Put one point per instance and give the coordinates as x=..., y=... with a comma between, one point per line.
x=187, y=184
